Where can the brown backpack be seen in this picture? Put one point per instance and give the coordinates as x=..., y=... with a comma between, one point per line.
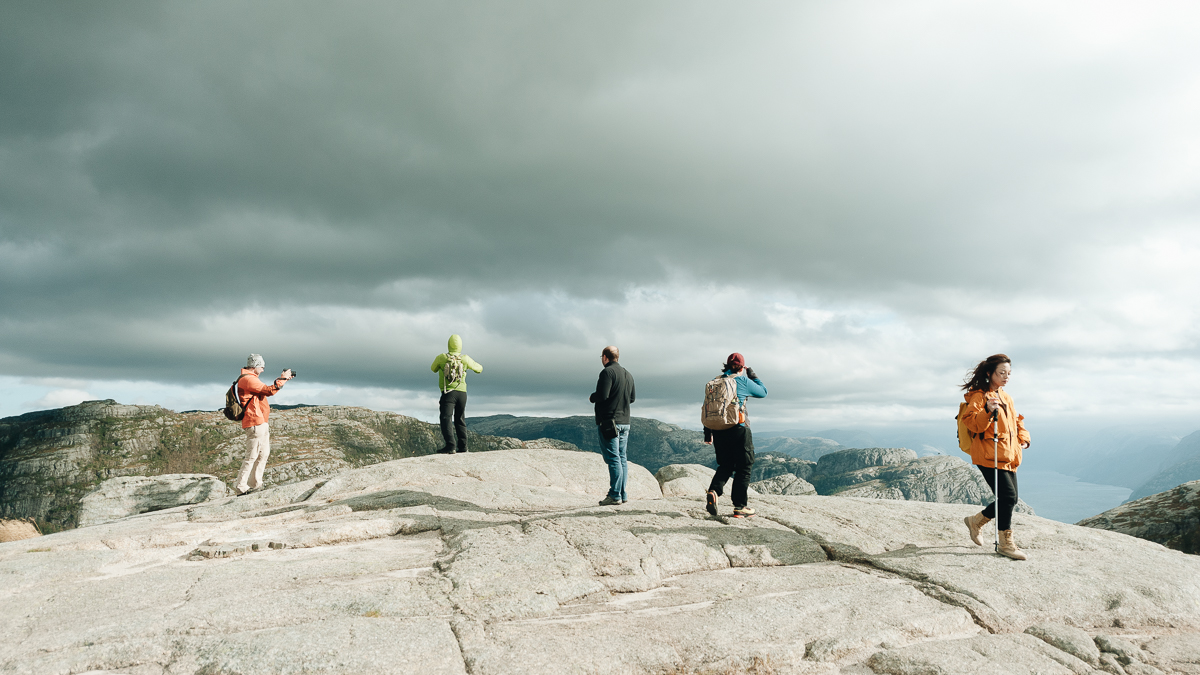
x=721, y=409
x=234, y=410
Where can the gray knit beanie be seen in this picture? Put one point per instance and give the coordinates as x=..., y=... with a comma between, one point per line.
x=255, y=361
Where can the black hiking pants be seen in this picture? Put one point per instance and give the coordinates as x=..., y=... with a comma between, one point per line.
x=454, y=403
x=1008, y=495
x=735, y=457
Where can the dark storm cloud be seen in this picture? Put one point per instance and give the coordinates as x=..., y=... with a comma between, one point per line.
x=180, y=182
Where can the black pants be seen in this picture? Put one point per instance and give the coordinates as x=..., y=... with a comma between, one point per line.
x=735, y=457
x=1008, y=495
x=454, y=402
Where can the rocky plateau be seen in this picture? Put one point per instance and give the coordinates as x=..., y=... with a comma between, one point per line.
x=501, y=562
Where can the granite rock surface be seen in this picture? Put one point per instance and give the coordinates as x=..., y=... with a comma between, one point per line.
x=118, y=498
x=501, y=562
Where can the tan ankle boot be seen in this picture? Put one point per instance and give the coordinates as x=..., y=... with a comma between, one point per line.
x=974, y=524
x=1008, y=546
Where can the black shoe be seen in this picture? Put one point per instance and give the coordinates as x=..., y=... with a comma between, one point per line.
x=710, y=502
x=446, y=451
x=461, y=452
x=609, y=501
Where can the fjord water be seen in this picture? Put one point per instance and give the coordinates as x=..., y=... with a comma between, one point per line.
x=1067, y=499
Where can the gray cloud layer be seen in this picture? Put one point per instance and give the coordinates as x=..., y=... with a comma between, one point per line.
x=346, y=183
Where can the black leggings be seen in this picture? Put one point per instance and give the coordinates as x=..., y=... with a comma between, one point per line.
x=1008, y=495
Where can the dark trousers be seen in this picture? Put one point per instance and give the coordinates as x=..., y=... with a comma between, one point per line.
x=735, y=457
x=1007, y=496
x=454, y=402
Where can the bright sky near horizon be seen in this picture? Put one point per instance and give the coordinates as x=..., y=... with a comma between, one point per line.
x=863, y=198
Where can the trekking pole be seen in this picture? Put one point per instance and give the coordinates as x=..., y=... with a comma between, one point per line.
x=996, y=469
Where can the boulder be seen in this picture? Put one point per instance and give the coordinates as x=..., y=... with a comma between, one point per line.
x=689, y=481
x=502, y=563
x=118, y=498
x=1170, y=518
x=786, y=484
x=684, y=480
x=16, y=530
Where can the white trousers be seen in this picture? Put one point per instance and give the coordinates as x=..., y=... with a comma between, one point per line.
x=258, y=449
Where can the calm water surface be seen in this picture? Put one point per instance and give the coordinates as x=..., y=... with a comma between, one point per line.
x=1067, y=499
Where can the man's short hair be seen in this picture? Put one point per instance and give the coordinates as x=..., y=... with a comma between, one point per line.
x=611, y=353
x=255, y=361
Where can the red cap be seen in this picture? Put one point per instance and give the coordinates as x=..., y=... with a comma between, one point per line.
x=735, y=361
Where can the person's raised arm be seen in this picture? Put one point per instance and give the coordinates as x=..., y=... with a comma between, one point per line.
x=253, y=385
x=438, y=362
x=754, y=386
x=470, y=363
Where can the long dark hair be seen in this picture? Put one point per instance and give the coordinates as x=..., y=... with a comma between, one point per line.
x=981, y=378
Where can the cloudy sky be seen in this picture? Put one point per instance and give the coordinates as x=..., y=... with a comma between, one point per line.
x=863, y=198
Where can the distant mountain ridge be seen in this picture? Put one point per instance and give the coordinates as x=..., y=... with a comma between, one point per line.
x=1181, y=465
x=652, y=444
x=1128, y=457
x=924, y=444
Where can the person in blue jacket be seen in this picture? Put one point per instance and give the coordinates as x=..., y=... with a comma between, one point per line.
x=735, y=446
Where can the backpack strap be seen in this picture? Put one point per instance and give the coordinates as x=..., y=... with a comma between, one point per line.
x=237, y=392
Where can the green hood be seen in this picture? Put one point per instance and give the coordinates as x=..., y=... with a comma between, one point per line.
x=454, y=344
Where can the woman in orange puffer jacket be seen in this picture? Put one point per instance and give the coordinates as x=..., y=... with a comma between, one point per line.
x=995, y=452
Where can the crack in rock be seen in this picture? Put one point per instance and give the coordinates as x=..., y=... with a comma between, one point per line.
x=852, y=556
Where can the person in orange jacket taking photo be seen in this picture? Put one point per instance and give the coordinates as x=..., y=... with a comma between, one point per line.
x=998, y=436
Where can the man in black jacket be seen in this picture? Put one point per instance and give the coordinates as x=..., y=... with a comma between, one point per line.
x=614, y=393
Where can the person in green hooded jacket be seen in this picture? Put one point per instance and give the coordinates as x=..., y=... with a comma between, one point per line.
x=451, y=368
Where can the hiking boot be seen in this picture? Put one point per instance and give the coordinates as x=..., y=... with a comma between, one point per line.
x=1008, y=546
x=609, y=501
x=710, y=502
x=448, y=450
x=743, y=512
x=975, y=523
